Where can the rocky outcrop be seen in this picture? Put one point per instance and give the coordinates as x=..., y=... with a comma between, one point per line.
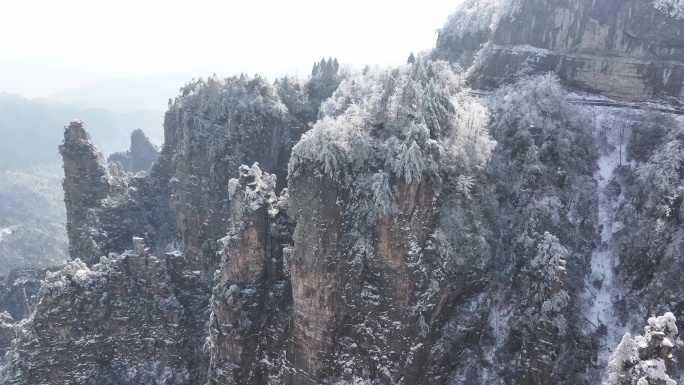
x=18, y=297
x=647, y=359
x=250, y=306
x=187, y=194
x=206, y=150
x=86, y=184
x=139, y=157
x=120, y=320
x=376, y=312
x=623, y=49
x=106, y=206
x=7, y=334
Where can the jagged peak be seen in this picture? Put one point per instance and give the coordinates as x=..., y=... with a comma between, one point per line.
x=252, y=189
x=139, y=157
x=646, y=359
x=76, y=129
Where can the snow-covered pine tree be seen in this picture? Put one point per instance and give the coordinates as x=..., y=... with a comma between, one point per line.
x=647, y=359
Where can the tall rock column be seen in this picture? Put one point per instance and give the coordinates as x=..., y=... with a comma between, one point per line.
x=364, y=304
x=249, y=303
x=319, y=268
x=86, y=183
x=105, y=206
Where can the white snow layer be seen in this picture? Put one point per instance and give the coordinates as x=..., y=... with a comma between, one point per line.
x=600, y=287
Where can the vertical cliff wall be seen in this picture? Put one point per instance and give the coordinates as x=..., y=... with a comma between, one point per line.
x=251, y=304
x=106, y=206
x=625, y=49
x=372, y=279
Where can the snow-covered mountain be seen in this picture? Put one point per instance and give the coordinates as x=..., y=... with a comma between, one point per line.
x=501, y=210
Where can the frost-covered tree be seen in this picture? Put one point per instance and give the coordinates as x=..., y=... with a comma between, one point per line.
x=382, y=192
x=646, y=359
x=674, y=8
x=405, y=148
x=399, y=120
x=437, y=109
x=479, y=17
x=548, y=266
x=324, y=80
x=543, y=170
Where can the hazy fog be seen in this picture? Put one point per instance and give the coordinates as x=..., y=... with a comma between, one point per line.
x=50, y=47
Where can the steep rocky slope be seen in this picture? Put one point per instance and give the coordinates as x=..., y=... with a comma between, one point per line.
x=625, y=49
x=121, y=322
x=32, y=220
x=388, y=226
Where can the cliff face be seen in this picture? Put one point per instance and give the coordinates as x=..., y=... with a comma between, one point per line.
x=120, y=320
x=206, y=145
x=623, y=49
x=375, y=312
x=86, y=184
x=250, y=305
x=106, y=206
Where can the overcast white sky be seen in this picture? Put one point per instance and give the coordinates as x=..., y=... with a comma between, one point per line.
x=48, y=46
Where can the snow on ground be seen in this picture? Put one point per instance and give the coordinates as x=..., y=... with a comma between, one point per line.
x=600, y=286
x=6, y=231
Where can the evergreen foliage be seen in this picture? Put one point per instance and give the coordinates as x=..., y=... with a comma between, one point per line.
x=673, y=8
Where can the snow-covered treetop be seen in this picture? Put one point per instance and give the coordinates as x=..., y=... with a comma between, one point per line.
x=72, y=274
x=225, y=109
x=662, y=328
x=640, y=360
x=479, y=16
x=532, y=101
x=673, y=8
x=255, y=187
x=404, y=121
x=550, y=259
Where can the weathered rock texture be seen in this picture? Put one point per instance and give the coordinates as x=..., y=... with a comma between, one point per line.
x=7, y=334
x=18, y=297
x=646, y=359
x=250, y=306
x=623, y=49
x=120, y=321
x=376, y=311
x=106, y=206
x=184, y=205
x=139, y=157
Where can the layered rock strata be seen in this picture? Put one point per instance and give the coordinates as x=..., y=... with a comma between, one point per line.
x=250, y=305
x=624, y=49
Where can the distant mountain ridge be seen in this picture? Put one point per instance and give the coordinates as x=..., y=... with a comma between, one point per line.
x=135, y=93
x=125, y=94
x=32, y=130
